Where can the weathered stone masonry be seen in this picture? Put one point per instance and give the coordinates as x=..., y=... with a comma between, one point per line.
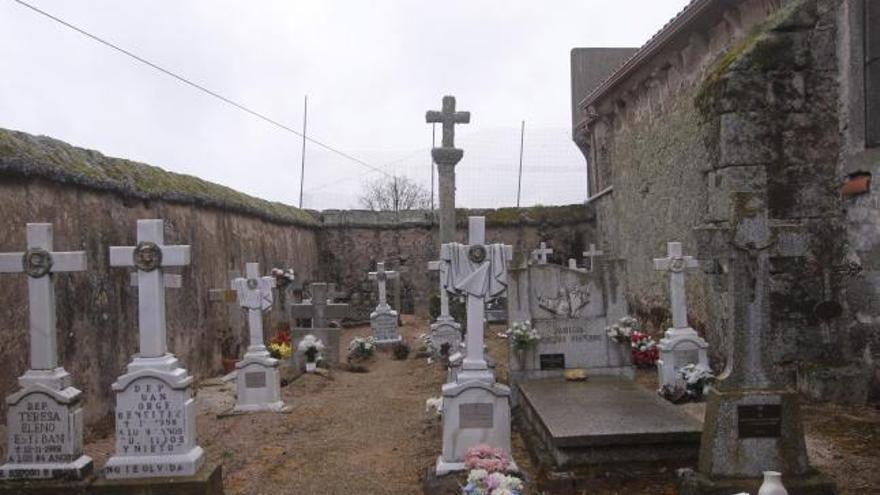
x=94, y=202
x=748, y=96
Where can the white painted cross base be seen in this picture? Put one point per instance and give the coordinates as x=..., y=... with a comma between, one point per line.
x=383, y=322
x=474, y=413
x=155, y=421
x=680, y=347
x=258, y=385
x=45, y=431
x=445, y=334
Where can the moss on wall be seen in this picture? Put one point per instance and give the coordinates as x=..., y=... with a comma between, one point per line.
x=24, y=155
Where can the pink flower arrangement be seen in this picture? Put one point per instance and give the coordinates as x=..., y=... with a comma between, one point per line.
x=492, y=460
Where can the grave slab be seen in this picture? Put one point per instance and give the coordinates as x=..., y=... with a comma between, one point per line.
x=625, y=422
x=206, y=481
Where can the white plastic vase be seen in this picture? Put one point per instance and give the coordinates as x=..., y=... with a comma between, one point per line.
x=311, y=366
x=772, y=484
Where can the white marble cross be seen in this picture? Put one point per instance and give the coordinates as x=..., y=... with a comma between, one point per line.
x=541, y=253
x=440, y=267
x=676, y=265
x=39, y=262
x=475, y=272
x=150, y=256
x=592, y=254
x=255, y=295
x=380, y=276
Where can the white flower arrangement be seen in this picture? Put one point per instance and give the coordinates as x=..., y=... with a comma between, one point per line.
x=481, y=482
x=283, y=276
x=522, y=335
x=696, y=378
x=361, y=347
x=312, y=347
x=622, y=330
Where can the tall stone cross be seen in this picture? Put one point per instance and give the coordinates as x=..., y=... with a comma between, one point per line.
x=255, y=295
x=446, y=158
x=320, y=309
x=150, y=257
x=677, y=264
x=439, y=266
x=478, y=270
x=541, y=253
x=748, y=246
x=39, y=262
x=592, y=254
x=381, y=276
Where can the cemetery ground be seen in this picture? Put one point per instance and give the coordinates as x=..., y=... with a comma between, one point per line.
x=368, y=433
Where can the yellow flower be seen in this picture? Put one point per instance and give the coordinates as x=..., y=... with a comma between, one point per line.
x=282, y=350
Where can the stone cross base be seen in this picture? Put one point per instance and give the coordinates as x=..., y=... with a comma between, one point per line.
x=474, y=413
x=258, y=385
x=160, y=442
x=445, y=332
x=679, y=348
x=45, y=431
x=748, y=432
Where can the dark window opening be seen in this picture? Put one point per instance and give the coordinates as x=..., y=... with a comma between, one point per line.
x=872, y=72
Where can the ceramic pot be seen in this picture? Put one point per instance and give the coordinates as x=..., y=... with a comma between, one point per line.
x=772, y=484
x=311, y=367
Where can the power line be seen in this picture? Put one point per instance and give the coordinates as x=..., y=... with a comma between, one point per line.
x=199, y=87
x=388, y=164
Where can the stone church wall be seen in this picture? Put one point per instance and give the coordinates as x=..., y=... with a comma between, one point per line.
x=746, y=102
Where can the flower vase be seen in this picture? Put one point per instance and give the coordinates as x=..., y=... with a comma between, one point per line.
x=772, y=484
x=520, y=358
x=311, y=366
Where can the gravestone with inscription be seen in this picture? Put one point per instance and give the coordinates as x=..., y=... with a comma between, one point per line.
x=567, y=307
x=383, y=320
x=476, y=409
x=445, y=332
x=155, y=407
x=44, y=419
x=681, y=345
x=258, y=382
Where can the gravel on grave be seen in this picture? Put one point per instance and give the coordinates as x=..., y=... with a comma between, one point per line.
x=368, y=433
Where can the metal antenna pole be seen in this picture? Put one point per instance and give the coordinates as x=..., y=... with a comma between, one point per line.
x=302, y=172
x=522, y=137
x=433, y=144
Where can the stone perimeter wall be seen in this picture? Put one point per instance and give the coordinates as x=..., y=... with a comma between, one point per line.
x=97, y=309
x=749, y=102
x=352, y=242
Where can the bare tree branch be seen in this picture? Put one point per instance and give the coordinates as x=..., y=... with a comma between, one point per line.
x=397, y=193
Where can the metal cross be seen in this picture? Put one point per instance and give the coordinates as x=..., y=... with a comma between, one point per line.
x=150, y=256
x=448, y=117
x=39, y=262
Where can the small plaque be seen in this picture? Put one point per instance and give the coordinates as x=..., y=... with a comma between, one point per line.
x=476, y=416
x=147, y=256
x=684, y=357
x=256, y=379
x=552, y=361
x=759, y=421
x=37, y=262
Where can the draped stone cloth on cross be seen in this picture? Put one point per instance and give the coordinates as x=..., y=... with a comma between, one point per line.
x=480, y=279
x=253, y=293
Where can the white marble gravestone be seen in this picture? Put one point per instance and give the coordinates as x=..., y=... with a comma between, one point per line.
x=568, y=309
x=44, y=419
x=155, y=407
x=383, y=320
x=681, y=344
x=476, y=409
x=445, y=332
x=258, y=382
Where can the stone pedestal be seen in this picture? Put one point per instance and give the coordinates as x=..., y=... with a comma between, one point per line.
x=258, y=384
x=383, y=322
x=680, y=347
x=155, y=421
x=45, y=429
x=474, y=413
x=748, y=432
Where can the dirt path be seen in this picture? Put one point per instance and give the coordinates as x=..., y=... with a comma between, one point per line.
x=368, y=433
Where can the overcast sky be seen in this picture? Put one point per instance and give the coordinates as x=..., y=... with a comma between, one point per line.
x=370, y=68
